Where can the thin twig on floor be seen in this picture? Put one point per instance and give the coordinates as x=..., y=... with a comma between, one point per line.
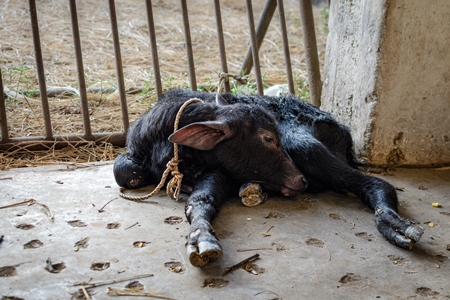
x=134, y=292
x=100, y=283
x=240, y=264
x=29, y=202
x=32, y=201
x=101, y=209
x=267, y=232
x=329, y=252
x=85, y=293
x=132, y=225
x=253, y=249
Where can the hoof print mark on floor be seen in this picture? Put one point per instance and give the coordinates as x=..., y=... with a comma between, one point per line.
x=83, y=243
x=315, y=243
x=337, y=217
x=215, y=282
x=175, y=266
x=350, y=277
x=140, y=244
x=397, y=260
x=426, y=292
x=280, y=248
x=8, y=271
x=33, y=244
x=274, y=214
x=25, y=226
x=54, y=268
x=113, y=225
x=77, y=223
x=173, y=220
x=80, y=294
x=441, y=258
x=100, y=266
x=135, y=285
x=365, y=235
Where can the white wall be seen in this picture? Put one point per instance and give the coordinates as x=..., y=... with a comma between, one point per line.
x=387, y=76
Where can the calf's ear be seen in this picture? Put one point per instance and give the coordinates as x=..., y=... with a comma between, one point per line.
x=201, y=135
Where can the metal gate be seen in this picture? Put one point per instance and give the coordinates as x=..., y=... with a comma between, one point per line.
x=251, y=62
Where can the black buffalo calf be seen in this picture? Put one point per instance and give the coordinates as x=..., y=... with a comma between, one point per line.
x=226, y=142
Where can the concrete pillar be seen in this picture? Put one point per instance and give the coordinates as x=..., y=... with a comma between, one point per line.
x=387, y=77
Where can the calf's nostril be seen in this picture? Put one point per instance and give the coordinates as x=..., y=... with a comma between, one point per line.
x=297, y=183
x=305, y=182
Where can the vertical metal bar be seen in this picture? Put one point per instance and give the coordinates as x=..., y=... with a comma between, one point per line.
x=3, y=120
x=312, y=58
x=119, y=69
x=251, y=24
x=40, y=70
x=80, y=70
x=261, y=30
x=223, y=55
x=187, y=37
x=154, y=48
x=287, y=55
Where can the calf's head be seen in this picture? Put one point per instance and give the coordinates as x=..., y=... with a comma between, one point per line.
x=246, y=143
x=129, y=173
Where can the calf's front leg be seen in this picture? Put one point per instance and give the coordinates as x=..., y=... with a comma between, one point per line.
x=201, y=207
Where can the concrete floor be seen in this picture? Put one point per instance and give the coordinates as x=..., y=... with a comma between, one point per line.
x=313, y=247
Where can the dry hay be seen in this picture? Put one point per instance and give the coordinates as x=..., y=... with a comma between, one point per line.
x=73, y=154
x=17, y=61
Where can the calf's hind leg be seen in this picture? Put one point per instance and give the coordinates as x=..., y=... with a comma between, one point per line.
x=201, y=207
x=323, y=169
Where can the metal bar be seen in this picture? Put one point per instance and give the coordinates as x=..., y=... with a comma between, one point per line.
x=41, y=143
x=40, y=70
x=223, y=55
x=312, y=58
x=80, y=70
x=154, y=48
x=187, y=37
x=251, y=24
x=287, y=55
x=261, y=30
x=3, y=120
x=119, y=69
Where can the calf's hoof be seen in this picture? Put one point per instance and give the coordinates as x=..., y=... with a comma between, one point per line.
x=252, y=194
x=201, y=254
x=412, y=235
x=398, y=231
x=414, y=232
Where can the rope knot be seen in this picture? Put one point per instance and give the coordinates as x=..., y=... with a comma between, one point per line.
x=225, y=77
x=174, y=185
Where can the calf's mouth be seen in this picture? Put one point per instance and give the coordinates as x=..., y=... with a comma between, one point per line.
x=294, y=186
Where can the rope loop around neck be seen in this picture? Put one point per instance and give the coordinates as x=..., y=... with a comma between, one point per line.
x=173, y=188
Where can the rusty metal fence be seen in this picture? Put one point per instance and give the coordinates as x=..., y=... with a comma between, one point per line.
x=251, y=62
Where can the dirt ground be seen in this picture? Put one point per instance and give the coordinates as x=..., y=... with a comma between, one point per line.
x=18, y=64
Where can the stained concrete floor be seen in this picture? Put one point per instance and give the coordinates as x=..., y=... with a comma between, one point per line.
x=312, y=247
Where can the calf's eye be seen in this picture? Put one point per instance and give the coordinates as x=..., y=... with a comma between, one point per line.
x=269, y=140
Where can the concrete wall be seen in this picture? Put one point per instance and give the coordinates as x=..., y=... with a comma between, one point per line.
x=387, y=76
